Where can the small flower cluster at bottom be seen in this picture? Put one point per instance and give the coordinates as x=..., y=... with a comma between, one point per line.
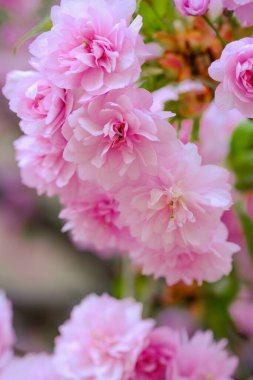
x=106, y=339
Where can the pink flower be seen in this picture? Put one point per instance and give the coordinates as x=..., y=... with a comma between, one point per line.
x=215, y=132
x=7, y=335
x=42, y=107
x=42, y=164
x=178, y=208
x=116, y=137
x=30, y=367
x=234, y=71
x=158, y=354
x=242, y=312
x=202, y=358
x=188, y=265
x=91, y=45
x=92, y=217
x=243, y=10
x=102, y=339
x=192, y=7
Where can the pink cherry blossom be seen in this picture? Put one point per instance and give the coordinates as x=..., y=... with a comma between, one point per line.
x=7, y=335
x=202, y=358
x=30, y=367
x=234, y=71
x=91, y=45
x=215, y=131
x=102, y=339
x=242, y=312
x=192, y=7
x=92, y=217
x=42, y=164
x=116, y=137
x=189, y=265
x=42, y=107
x=180, y=207
x=158, y=354
x=243, y=10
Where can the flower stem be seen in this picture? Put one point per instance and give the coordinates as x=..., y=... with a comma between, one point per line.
x=195, y=130
x=209, y=22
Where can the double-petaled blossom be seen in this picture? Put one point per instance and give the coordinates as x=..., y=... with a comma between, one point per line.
x=117, y=138
x=102, y=339
x=91, y=45
x=243, y=10
x=208, y=263
x=7, y=335
x=92, y=217
x=41, y=106
x=180, y=207
x=31, y=367
x=234, y=71
x=192, y=7
x=158, y=355
x=202, y=358
x=42, y=164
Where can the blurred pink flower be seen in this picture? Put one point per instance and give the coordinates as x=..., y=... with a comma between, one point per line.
x=242, y=312
x=42, y=107
x=215, y=131
x=158, y=354
x=30, y=367
x=209, y=263
x=92, y=217
x=91, y=45
x=180, y=207
x=234, y=71
x=243, y=10
x=102, y=339
x=7, y=335
x=192, y=7
x=116, y=137
x=202, y=358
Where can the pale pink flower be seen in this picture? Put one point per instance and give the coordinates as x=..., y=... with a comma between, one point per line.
x=234, y=71
x=7, y=335
x=242, y=312
x=30, y=367
x=192, y=7
x=41, y=106
x=216, y=128
x=42, y=164
x=180, y=207
x=116, y=137
x=202, y=358
x=188, y=265
x=158, y=354
x=102, y=339
x=243, y=10
x=92, y=217
x=91, y=45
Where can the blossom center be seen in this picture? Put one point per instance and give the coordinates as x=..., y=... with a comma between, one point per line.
x=102, y=50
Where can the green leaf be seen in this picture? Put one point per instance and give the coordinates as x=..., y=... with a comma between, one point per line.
x=43, y=26
x=240, y=158
x=247, y=225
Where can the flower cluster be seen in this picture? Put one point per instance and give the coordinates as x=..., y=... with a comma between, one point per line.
x=126, y=182
x=118, y=344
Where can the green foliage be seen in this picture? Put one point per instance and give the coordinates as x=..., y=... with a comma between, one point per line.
x=240, y=157
x=247, y=225
x=43, y=26
x=157, y=16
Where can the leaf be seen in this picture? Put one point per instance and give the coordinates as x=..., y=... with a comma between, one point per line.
x=247, y=225
x=43, y=26
x=240, y=158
